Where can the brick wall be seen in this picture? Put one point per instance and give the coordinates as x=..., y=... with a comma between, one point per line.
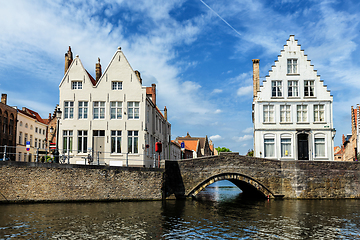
x=32, y=182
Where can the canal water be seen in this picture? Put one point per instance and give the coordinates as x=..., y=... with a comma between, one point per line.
x=220, y=212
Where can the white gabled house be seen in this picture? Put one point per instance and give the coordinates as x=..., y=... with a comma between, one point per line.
x=292, y=110
x=112, y=118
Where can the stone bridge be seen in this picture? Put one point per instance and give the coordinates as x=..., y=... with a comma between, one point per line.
x=260, y=177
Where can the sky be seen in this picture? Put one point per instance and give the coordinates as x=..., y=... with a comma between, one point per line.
x=198, y=53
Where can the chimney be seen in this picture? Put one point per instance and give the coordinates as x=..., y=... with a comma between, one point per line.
x=153, y=94
x=256, y=76
x=165, y=113
x=68, y=59
x=138, y=75
x=343, y=139
x=98, y=70
x=4, y=98
x=353, y=122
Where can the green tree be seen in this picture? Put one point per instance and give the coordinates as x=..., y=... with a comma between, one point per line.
x=222, y=149
x=250, y=153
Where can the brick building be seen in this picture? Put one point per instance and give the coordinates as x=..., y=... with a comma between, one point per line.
x=8, y=120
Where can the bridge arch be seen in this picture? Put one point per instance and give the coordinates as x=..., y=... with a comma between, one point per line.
x=247, y=184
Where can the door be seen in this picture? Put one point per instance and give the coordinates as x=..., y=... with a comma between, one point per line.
x=98, y=146
x=303, y=147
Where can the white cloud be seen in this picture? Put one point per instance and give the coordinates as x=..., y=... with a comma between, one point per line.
x=217, y=91
x=243, y=138
x=245, y=91
x=216, y=137
x=217, y=111
x=248, y=130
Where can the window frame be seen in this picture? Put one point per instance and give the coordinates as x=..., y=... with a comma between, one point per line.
x=276, y=89
x=317, y=144
x=286, y=110
x=132, y=110
x=116, y=85
x=117, y=108
x=285, y=143
x=309, y=88
x=83, y=110
x=133, y=142
x=301, y=112
x=269, y=140
x=82, y=141
x=68, y=135
x=318, y=112
x=116, y=141
x=268, y=112
x=294, y=88
x=100, y=113
x=68, y=109
x=292, y=66
x=76, y=85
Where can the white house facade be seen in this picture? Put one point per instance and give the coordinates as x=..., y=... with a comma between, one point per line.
x=292, y=110
x=112, y=119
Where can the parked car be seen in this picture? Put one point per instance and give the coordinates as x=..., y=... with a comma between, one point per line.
x=6, y=159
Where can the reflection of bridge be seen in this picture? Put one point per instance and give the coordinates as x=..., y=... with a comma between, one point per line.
x=263, y=177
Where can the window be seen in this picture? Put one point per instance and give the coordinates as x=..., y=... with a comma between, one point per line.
x=43, y=144
x=19, y=156
x=268, y=113
x=133, y=110
x=308, y=88
x=293, y=89
x=285, y=147
x=76, y=85
x=20, y=137
x=301, y=113
x=26, y=125
x=276, y=87
x=319, y=147
x=99, y=110
x=319, y=113
x=31, y=143
x=36, y=129
x=36, y=143
x=292, y=66
x=285, y=113
x=43, y=131
x=116, y=85
x=83, y=110
x=82, y=141
x=20, y=123
x=115, y=110
x=133, y=141
x=26, y=138
x=115, y=141
x=67, y=140
x=68, y=110
x=269, y=147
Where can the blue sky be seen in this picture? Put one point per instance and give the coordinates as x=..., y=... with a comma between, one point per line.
x=198, y=52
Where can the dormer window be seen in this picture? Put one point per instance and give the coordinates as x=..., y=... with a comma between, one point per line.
x=76, y=85
x=292, y=66
x=116, y=85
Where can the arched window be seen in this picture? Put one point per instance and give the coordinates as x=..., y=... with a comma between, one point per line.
x=269, y=145
x=20, y=123
x=319, y=145
x=286, y=145
x=5, y=124
x=26, y=125
x=11, y=125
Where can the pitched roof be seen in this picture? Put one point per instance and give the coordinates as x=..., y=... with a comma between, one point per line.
x=34, y=115
x=190, y=144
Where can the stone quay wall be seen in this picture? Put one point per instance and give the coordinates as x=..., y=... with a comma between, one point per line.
x=44, y=182
x=290, y=179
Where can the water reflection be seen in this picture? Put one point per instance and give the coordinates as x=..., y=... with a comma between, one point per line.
x=226, y=216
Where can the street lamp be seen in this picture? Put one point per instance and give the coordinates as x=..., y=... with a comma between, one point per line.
x=58, y=117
